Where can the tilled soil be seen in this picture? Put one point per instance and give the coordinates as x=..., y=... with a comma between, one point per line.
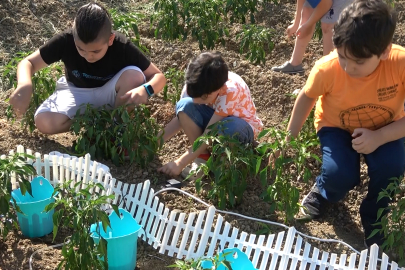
x=25, y=25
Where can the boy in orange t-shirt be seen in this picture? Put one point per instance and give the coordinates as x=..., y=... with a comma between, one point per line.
x=360, y=94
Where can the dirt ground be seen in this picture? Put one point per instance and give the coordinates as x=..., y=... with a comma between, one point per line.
x=27, y=24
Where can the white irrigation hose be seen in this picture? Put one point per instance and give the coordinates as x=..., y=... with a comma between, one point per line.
x=261, y=220
x=38, y=250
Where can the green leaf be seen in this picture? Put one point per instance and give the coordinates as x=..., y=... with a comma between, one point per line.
x=105, y=221
x=4, y=205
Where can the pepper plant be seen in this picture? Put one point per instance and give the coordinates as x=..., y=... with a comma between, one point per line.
x=202, y=20
x=174, y=77
x=125, y=22
x=239, y=9
x=114, y=133
x=254, y=39
x=201, y=263
x=393, y=220
x=14, y=165
x=76, y=209
x=231, y=163
x=43, y=85
x=281, y=193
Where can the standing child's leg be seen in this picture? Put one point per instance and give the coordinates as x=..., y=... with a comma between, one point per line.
x=384, y=164
x=294, y=65
x=329, y=20
x=340, y=170
x=327, y=32
x=302, y=43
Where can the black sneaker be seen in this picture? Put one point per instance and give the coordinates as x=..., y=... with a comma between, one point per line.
x=289, y=69
x=313, y=203
x=378, y=239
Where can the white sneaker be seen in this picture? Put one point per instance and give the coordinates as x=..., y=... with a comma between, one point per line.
x=193, y=168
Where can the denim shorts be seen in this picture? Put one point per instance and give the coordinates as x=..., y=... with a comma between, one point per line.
x=201, y=115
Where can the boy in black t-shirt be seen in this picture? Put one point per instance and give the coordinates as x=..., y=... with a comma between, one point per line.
x=101, y=67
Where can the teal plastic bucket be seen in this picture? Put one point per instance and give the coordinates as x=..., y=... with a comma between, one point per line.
x=34, y=221
x=121, y=240
x=236, y=258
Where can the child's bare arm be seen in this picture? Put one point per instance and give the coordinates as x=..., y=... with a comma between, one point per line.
x=291, y=29
x=20, y=98
x=316, y=15
x=302, y=107
x=154, y=77
x=298, y=10
x=175, y=167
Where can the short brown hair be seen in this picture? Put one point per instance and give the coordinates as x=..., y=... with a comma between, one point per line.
x=365, y=28
x=92, y=23
x=205, y=74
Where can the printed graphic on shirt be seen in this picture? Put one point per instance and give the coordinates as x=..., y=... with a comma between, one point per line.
x=370, y=116
x=329, y=16
x=387, y=93
x=79, y=75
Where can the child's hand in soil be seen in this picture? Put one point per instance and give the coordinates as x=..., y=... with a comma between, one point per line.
x=292, y=29
x=136, y=96
x=20, y=99
x=172, y=168
x=365, y=141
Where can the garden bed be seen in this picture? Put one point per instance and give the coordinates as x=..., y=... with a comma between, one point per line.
x=25, y=25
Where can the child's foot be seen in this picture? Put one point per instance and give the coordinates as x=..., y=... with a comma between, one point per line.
x=192, y=168
x=313, y=203
x=289, y=69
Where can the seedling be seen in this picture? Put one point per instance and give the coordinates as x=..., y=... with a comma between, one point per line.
x=255, y=39
x=393, y=220
x=76, y=209
x=231, y=163
x=281, y=193
x=175, y=77
x=43, y=85
x=202, y=20
x=125, y=22
x=117, y=134
x=13, y=166
x=198, y=264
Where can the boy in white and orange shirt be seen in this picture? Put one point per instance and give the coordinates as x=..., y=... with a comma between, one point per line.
x=211, y=94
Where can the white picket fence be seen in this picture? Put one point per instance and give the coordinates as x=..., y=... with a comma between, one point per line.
x=200, y=234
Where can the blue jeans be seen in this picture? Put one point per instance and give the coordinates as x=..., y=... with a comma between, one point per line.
x=341, y=171
x=201, y=115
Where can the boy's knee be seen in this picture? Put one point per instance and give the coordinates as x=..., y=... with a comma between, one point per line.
x=130, y=79
x=52, y=125
x=338, y=182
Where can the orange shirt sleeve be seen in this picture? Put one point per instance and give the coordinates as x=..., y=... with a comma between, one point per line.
x=316, y=82
x=400, y=60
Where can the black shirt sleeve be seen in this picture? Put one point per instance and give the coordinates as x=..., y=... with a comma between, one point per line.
x=135, y=57
x=52, y=51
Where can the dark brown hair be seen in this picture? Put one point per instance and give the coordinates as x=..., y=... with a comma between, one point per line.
x=206, y=73
x=365, y=28
x=92, y=22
